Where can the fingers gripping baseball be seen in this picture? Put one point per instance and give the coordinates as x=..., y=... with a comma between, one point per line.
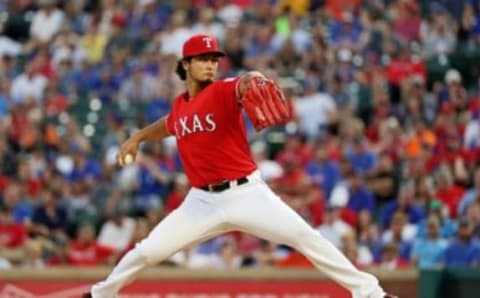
x=265, y=103
x=127, y=152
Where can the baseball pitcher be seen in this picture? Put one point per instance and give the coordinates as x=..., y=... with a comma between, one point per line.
x=227, y=191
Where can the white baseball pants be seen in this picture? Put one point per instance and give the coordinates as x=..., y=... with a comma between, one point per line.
x=251, y=208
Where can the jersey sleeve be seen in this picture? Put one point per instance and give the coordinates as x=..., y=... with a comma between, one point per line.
x=230, y=88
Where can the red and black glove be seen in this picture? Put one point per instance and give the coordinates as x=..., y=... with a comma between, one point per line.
x=265, y=103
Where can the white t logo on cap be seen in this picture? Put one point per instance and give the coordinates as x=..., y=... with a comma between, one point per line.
x=208, y=41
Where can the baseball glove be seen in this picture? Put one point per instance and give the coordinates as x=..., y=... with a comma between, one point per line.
x=265, y=103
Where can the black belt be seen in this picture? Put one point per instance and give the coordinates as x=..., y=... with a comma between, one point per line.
x=223, y=185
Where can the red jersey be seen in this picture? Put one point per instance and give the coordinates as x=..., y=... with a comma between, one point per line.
x=211, y=134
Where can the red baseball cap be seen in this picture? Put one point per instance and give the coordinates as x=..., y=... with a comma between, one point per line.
x=201, y=44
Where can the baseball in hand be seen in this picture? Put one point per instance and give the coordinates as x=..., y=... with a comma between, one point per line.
x=128, y=159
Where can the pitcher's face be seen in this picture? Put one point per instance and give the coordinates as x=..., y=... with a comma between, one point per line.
x=203, y=68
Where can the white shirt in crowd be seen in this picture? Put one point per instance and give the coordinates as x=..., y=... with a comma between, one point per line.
x=115, y=236
x=334, y=232
x=172, y=42
x=314, y=110
x=409, y=232
x=44, y=26
x=269, y=169
x=471, y=137
x=25, y=86
x=9, y=47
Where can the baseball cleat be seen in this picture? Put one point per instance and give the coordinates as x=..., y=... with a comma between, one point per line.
x=87, y=295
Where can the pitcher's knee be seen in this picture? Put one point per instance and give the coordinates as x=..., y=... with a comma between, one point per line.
x=304, y=236
x=151, y=255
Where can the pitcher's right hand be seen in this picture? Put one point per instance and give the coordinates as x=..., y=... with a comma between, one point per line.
x=129, y=147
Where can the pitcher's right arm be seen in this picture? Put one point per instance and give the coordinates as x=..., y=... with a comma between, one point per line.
x=155, y=131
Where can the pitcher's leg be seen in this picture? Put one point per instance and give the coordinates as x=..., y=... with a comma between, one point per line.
x=265, y=215
x=195, y=220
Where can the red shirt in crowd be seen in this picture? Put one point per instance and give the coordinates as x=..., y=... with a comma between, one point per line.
x=451, y=197
x=401, y=69
x=288, y=186
x=173, y=201
x=12, y=234
x=87, y=254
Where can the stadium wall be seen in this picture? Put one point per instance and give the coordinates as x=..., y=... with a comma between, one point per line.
x=180, y=283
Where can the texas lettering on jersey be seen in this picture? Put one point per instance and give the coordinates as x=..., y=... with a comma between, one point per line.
x=211, y=134
x=187, y=125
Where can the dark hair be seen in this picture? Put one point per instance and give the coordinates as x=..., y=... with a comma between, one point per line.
x=180, y=70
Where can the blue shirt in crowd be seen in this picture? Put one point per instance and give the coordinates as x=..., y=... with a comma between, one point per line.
x=461, y=255
x=325, y=175
x=415, y=214
x=429, y=252
x=361, y=199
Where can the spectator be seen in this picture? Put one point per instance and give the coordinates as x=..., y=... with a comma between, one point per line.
x=94, y=43
x=106, y=87
x=296, y=145
x=471, y=137
x=453, y=93
x=400, y=232
x=208, y=25
x=141, y=231
x=12, y=234
x=381, y=179
x=473, y=215
x=358, y=254
x=154, y=178
x=323, y=171
x=178, y=194
x=366, y=230
x=448, y=226
x=85, y=251
x=138, y=88
x=116, y=232
x=363, y=160
x=360, y=197
x=407, y=23
x=403, y=203
x=427, y=252
x=228, y=257
x=49, y=218
x=13, y=200
x=261, y=48
x=12, y=237
x=8, y=159
x=345, y=33
x=469, y=26
x=439, y=37
x=33, y=251
x=265, y=256
x=176, y=33
x=463, y=251
x=333, y=227
x=390, y=259
x=46, y=22
x=447, y=192
x=298, y=191
x=473, y=194
x=269, y=169
x=30, y=85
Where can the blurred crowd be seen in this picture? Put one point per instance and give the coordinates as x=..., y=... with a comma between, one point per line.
x=380, y=156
